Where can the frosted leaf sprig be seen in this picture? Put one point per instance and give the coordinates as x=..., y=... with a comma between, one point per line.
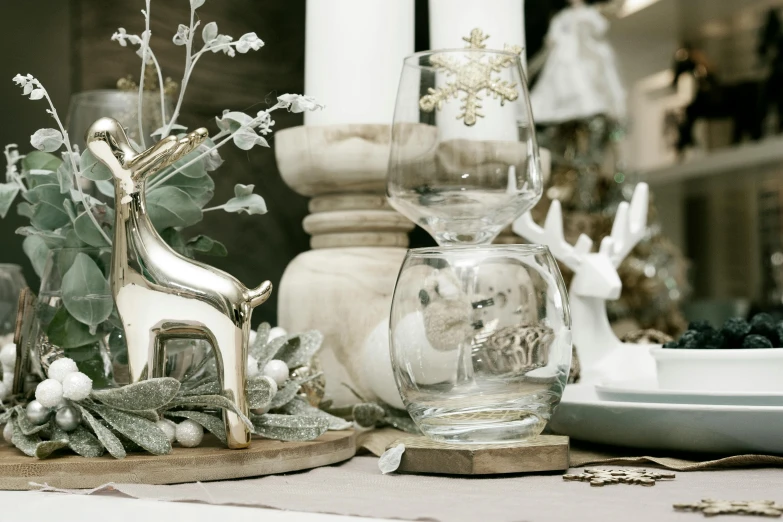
x=137, y=416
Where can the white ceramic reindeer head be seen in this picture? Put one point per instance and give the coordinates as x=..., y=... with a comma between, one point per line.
x=595, y=281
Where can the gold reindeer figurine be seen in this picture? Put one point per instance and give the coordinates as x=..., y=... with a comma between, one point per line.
x=161, y=294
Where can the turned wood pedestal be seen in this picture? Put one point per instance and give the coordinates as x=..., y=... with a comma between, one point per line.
x=344, y=285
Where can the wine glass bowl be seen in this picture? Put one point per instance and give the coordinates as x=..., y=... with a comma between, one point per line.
x=464, y=161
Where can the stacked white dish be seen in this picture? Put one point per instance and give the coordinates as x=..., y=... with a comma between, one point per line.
x=710, y=401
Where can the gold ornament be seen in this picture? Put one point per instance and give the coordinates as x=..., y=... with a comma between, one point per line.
x=472, y=76
x=314, y=389
x=602, y=477
x=162, y=295
x=710, y=508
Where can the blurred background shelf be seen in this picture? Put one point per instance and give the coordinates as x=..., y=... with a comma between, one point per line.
x=739, y=159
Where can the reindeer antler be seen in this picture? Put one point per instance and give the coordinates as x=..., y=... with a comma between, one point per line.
x=552, y=236
x=630, y=224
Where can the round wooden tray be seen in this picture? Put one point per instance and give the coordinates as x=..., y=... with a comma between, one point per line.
x=210, y=461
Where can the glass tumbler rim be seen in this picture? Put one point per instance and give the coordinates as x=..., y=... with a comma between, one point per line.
x=413, y=59
x=515, y=248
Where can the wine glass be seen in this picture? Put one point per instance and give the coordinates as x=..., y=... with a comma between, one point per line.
x=464, y=161
x=486, y=363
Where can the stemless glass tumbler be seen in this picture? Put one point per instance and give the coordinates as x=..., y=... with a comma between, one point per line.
x=464, y=161
x=480, y=341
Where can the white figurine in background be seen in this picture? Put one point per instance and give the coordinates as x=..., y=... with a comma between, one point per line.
x=602, y=356
x=579, y=78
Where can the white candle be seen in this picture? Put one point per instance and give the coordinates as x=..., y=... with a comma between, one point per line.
x=503, y=21
x=353, y=57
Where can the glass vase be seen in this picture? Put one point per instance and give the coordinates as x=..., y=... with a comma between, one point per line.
x=11, y=283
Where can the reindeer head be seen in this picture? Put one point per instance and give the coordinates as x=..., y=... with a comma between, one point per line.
x=595, y=273
x=108, y=142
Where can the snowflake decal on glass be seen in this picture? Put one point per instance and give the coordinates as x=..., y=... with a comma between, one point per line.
x=471, y=76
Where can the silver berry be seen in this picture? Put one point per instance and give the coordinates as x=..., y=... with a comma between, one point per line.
x=68, y=418
x=37, y=413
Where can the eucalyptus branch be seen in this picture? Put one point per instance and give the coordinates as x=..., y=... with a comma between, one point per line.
x=186, y=77
x=145, y=45
x=124, y=38
x=160, y=85
x=11, y=172
x=36, y=90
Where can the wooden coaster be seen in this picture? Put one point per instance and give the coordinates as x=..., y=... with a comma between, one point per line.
x=210, y=461
x=423, y=455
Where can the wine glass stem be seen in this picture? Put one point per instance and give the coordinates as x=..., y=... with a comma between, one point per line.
x=468, y=277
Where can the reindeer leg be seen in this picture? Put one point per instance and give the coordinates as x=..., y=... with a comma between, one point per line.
x=230, y=343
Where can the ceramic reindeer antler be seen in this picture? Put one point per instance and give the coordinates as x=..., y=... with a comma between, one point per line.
x=595, y=274
x=161, y=294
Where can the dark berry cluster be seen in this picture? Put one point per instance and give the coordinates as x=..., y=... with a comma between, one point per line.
x=761, y=332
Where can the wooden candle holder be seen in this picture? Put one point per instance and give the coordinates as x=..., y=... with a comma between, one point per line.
x=343, y=287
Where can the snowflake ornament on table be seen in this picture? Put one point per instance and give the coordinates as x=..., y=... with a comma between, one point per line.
x=711, y=508
x=602, y=477
x=472, y=76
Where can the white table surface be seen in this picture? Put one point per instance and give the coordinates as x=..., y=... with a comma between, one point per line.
x=29, y=506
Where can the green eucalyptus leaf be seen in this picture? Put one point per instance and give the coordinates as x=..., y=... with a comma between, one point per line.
x=200, y=189
x=211, y=423
x=37, y=250
x=48, y=210
x=65, y=177
x=84, y=443
x=66, y=332
x=53, y=239
x=245, y=201
x=86, y=230
x=93, y=169
x=106, y=188
x=47, y=140
x=109, y=440
x=300, y=406
x=24, y=209
x=174, y=238
x=38, y=160
x=206, y=245
x=86, y=293
x=8, y=192
x=259, y=393
x=172, y=207
x=288, y=427
x=144, y=395
x=138, y=429
x=70, y=209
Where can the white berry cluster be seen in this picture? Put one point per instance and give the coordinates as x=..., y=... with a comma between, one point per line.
x=275, y=372
x=188, y=433
x=65, y=382
x=8, y=363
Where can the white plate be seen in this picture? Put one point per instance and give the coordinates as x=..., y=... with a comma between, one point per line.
x=649, y=392
x=676, y=427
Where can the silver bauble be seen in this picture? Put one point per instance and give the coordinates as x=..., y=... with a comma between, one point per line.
x=37, y=413
x=68, y=418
